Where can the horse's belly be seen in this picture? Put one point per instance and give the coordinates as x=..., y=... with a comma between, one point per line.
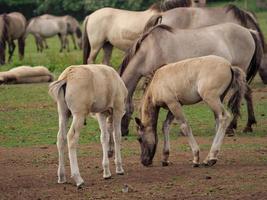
x=46, y=32
x=189, y=97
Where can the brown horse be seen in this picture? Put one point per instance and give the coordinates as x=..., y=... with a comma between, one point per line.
x=188, y=82
x=191, y=18
x=12, y=27
x=231, y=41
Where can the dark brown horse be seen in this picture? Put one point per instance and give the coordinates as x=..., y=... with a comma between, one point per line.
x=231, y=41
x=12, y=27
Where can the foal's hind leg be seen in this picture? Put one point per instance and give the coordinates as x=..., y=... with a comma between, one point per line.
x=63, y=114
x=117, y=116
x=110, y=130
x=105, y=144
x=176, y=110
x=223, y=121
x=250, y=110
x=73, y=138
x=107, y=47
x=166, y=130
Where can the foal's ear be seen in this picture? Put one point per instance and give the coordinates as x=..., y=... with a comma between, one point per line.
x=139, y=123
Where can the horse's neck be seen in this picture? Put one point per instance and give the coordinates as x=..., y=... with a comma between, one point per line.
x=149, y=112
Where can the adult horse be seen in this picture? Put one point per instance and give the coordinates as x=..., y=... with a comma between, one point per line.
x=12, y=27
x=45, y=28
x=190, y=18
x=108, y=27
x=231, y=41
x=73, y=27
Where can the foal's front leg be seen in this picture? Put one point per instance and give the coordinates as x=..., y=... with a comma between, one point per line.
x=105, y=144
x=166, y=131
x=176, y=110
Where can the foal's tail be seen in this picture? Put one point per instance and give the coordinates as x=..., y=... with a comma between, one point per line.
x=239, y=85
x=86, y=42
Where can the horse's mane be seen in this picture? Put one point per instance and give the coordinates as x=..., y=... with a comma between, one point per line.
x=136, y=46
x=245, y=17
x=78, y=32
x=155, y=6
x=170, y=4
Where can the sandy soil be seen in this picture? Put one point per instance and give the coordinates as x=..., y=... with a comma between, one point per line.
x=241, y=173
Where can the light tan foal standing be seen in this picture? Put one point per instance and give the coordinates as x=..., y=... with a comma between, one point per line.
x=185, y=83
x=79, y=91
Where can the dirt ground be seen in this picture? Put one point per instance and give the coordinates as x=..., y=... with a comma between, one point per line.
x=241, y=173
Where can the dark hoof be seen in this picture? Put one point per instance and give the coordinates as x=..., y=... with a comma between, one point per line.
x=110, y=154
x=248, y=129
x=165, y=163
x=80, y=186
x=230, y=132
x=120, y=173
x=210, y=163
x=107, y=178
x=195, y=165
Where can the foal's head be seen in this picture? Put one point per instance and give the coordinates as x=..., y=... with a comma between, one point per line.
x=148, y=142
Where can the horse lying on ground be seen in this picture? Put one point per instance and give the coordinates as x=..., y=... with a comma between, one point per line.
x=45, y=28
x=187, y=82
x=73, y=28
x=12, y=27
x=26, y=74
x=79, y=91
x=235, y=43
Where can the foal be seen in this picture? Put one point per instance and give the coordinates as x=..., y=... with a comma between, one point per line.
x=81, y=90
x=184, y=83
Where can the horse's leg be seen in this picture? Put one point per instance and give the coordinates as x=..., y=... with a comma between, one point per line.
x=45, y=43
x=11, y=49
x=107, y=47
x=110, y=130
x=73, y=40
x=63, y=115
x=250, y=110
x=95, y=48
x=223, y=121
x=105, y=144
x=117, y=116
x=61, y=42
x=73, y=137
x=66, y=43
x=21, y=45
x=176, y=110
x=166, y=130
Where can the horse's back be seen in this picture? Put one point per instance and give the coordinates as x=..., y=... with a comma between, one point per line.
x=98, y=87
x=186, y=80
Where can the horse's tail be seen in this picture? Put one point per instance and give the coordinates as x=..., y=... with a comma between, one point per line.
x=257, y=57
x=246, y=18
x=153, y=21
x=86, y=42
x=3, y=38
x=239, y=86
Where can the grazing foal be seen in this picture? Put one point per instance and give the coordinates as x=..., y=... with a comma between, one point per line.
x=184, y=83
x=81, y=90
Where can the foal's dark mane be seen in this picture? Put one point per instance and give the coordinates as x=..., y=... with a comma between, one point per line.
x=245, y=18
x=136, y=46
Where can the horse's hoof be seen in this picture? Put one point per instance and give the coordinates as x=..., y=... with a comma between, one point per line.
x=165, y=163
x=80, y=186
x=120, y=173
x=230, y=132
x=195, y=165
x=125, y=133
x=110, y=153
x=248, y=129
x=107, y=178
x=210, y=163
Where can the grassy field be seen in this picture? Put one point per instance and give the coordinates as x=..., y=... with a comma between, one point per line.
x=28, y=116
